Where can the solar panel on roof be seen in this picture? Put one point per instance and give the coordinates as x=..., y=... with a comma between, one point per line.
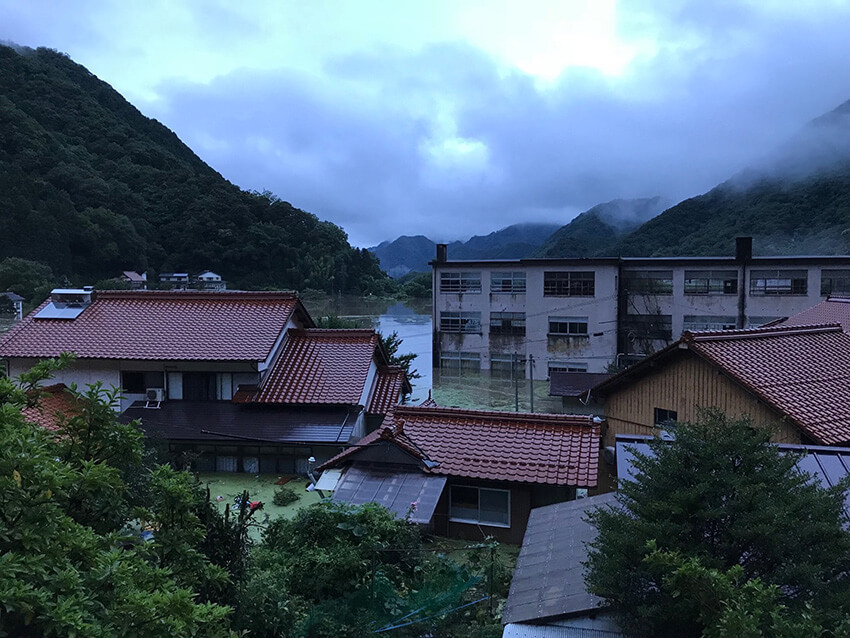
x=60, y=311
x=397, y=491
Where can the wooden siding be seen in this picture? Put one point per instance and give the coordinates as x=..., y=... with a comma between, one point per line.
x=686, y=384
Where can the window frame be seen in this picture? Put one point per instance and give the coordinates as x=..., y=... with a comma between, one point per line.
x=510, y=366
x=461, y=357
x=714, y=282
x=662, y=417
x=648, y=282
x=704, y=323
x=460, y=282
x=569, y=321
x=830, y=275
x=770, y=283
x=460, y=322
x=509, y=324
x=569, y=283
x=478, y=521
x=512, y=282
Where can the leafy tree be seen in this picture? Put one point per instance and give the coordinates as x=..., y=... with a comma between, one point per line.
x=32, y=280
x=59, y=577
x=416, y=285
x=392, y=343
x=720, y=497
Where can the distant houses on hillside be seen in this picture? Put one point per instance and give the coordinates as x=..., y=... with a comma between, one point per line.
x=205, y=280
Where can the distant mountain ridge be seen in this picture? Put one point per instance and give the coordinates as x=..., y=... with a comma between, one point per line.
x=412, y=254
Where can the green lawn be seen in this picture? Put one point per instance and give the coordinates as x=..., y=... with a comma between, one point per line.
x=260, y=487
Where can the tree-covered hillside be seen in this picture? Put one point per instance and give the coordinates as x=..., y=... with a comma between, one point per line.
x=595, y=231
x=797, y=201
x=91, y=187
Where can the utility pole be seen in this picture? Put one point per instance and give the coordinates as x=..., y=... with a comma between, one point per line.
x=531, y=380
x=515, y=378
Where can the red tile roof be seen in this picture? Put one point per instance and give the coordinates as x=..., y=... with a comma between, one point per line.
x=803, y=372
x=500, y=446
x=320, y=366
x=388, y=388
x=833, y=310
x=55, y=402
x=159, y=325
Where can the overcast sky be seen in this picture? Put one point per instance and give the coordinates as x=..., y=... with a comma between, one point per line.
x=453, y=118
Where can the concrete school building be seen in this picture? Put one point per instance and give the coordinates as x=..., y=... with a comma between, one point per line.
x=521, y=317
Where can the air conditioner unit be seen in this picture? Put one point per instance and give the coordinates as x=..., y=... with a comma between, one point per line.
x=154, y=394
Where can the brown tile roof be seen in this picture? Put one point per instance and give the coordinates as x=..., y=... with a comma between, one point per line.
x=159, y=325
x=54, y=403
x=500, y=446
x=833, y=310
x=388, y=388
x=803, y=372
x=319, y=366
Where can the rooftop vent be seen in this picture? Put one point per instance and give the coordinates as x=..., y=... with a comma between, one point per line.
x=67, y=303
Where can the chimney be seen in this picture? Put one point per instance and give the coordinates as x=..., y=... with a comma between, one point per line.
x=743, y=249
x=442, y=253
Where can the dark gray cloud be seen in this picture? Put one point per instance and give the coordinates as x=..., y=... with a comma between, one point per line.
x=448, y=142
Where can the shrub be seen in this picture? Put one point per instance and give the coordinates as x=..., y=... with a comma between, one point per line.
x=285, y=496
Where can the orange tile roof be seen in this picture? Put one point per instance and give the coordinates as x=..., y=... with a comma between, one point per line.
x=159, y=325
x=803, y=372
x=320, y=366
x=552, y=449
x=55, y=402
x=388, y=388
x=833, y=310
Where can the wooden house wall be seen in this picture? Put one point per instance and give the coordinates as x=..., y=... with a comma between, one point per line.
x=686, y=384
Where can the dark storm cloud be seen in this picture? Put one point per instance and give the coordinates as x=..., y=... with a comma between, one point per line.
x=446, y=143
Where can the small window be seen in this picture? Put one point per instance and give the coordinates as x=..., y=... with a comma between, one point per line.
x=569, y=284
x=460, y=322
x=460, y=282
x=711, y=282
x=480, y=505
x=665, y=417
x=457, y=364
x=648, y=282
x=778, y=282
x=133, y=382
x=568, y=326
x=835, y=282
x=507, y=323
x=567, y=366
x=654, y=327
x=512, y=282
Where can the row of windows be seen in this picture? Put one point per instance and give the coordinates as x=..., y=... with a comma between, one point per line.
x=509, y=323
x=655, y=282
x=502, y=365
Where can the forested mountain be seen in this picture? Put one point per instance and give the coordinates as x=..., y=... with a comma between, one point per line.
x=91, y=187
x=796, y=201
x=406, y=254
x=596, y=231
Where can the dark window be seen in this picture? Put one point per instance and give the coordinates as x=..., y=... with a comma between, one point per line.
x=480, y=505
x=566, y=366
x=568, y=284
x=199, y=386
x=507, y=366
x=711, y=282
x=835, y=282
x=778, y=282
x=649, y=282
x=133, y=382
x=665, y=417
x=460, y=282
x=460, y=322
x=455, y=364
x=507, y=323
x=513, y=282
x=569, y=326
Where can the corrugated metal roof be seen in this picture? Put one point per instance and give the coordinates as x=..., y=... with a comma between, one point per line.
x=222, y=421
x=574, y=384
x=398, y=491
x=548, y=581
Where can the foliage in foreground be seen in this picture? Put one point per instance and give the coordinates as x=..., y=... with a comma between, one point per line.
x=719, y=533
x=336, y=570
x=68, y=566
